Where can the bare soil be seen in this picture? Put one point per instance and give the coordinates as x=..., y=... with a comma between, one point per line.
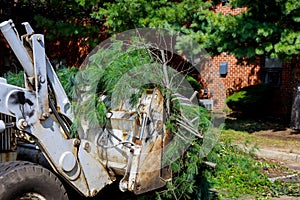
x=287, y=134
x=287, y=140
x=266, y=132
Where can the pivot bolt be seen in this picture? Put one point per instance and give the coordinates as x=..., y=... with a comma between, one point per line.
x=42, y=79
x=22, y=124
x=76, y=142
x=87, y=147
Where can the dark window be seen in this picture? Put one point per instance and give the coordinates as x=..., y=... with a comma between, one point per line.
x=272, y=72
x=273, y=78
x=223, y=69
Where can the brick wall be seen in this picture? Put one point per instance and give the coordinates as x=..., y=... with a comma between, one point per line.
x=237, y=77
x=225, y=10
x=242, y=75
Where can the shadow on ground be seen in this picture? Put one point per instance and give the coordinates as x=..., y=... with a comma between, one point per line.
x=253, y=124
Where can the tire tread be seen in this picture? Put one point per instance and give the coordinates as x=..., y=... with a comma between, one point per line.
x=29, y=170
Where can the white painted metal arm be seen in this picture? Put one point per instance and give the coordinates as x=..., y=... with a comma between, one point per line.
x=73, y=159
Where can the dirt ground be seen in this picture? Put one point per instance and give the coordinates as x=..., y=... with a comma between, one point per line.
x=286, y=140
x=287, y=134
x=267, y=132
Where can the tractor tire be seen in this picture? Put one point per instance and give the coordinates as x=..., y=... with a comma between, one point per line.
x=25, y=180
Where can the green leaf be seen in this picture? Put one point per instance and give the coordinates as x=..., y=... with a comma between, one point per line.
x=259, y=51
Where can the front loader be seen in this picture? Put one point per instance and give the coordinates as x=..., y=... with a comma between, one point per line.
x=37, y=152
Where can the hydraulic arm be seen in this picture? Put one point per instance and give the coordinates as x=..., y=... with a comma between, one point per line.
x=42, y=110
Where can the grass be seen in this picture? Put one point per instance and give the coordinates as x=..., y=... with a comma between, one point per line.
x=240, y=176
x=260, y=141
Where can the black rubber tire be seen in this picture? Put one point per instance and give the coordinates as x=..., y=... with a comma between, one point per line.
x=21, y=177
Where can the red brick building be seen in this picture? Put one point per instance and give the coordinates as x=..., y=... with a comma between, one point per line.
x=284, y=77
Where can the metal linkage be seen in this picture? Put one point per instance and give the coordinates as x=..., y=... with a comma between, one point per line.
x=73, y=159
x=10, y=34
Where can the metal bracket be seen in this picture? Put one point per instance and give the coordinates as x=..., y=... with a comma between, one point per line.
x=41, y=86
x=28, y=28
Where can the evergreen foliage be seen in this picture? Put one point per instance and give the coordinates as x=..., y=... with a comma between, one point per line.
x=267, y=27
x=100, y=77
x=128, y=74
x=16, y=79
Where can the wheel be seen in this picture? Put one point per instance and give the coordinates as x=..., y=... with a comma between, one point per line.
x=24, y=180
